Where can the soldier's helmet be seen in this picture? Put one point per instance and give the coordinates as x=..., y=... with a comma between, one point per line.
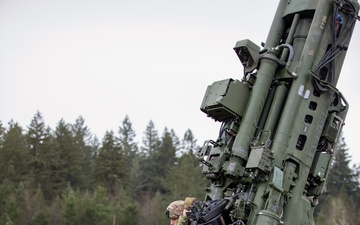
x=175, y=209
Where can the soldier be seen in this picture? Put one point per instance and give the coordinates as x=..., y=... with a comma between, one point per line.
x=176, y=211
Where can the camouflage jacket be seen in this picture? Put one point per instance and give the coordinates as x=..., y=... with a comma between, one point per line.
x=182, y=221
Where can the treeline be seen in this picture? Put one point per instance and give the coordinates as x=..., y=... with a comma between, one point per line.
x=66, y=176
x=340, y=202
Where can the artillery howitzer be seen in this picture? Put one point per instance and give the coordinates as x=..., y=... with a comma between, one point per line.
x=280, y=121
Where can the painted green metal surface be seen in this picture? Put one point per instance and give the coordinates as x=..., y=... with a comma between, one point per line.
x=280, y=123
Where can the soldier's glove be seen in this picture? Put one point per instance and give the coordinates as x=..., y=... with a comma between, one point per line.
x=188, y=202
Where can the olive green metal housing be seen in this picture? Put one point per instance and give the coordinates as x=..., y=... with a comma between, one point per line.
x=280, y=122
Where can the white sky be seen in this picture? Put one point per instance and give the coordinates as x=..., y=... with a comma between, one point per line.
x=151, y=60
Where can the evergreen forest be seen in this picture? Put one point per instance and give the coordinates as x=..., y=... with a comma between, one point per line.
x=67, y=176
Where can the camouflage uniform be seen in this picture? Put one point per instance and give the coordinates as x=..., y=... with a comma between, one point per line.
x=177, y=209
x=182, y=221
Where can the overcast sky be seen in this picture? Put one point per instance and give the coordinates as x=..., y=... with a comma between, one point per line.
x=151, y=60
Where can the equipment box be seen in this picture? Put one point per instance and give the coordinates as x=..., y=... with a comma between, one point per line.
x=225, y=99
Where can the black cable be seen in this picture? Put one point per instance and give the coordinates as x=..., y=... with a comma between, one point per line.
x=339, y=43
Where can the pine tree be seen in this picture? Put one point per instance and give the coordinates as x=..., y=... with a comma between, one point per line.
x=14, y=155
x=128, y=146
x=175, y=141
x=68, y=171
x=36, y=134
x=82, y=140
x=109, y=168
x=38, y=141
x=94, y=146
x=161, y=160
x=14, y=165
x=127, y=139
x=166, y=154
x=189, y=143
x=150, y=140
x=165, y=158
x=137, y=183
x=47, y=167
x=341, y=175
x=151, y=143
